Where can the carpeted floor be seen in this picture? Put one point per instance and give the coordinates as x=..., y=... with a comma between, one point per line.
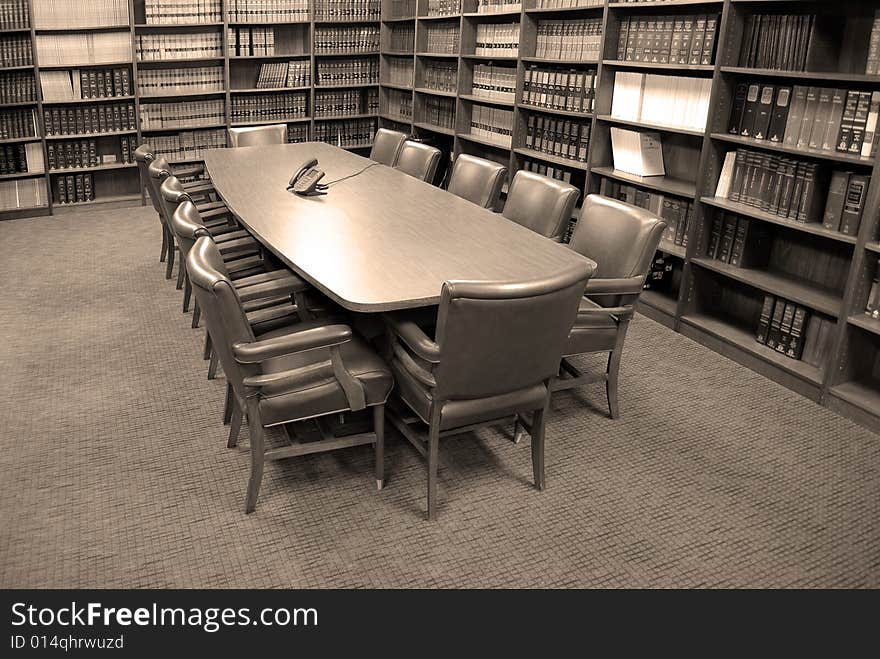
x=114, y=471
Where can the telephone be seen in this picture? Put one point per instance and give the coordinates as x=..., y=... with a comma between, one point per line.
x=305, y=181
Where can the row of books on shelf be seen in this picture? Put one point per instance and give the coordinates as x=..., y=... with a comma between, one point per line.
x=250, y=41
x=779, y=41
x=268, y=107
x=791, y=330
x=188, y=145
x=440, y=75
x=872, y=306
x=807, y=117
x=564, y=138
x=185, y=114
x=577, y=40
x=402, y=38
x=295, y=73
x=14, y=15
x=399, y=104
x=637, y=152
x=189, y=80
x=267, y=11
x=346, y=102
x=103, y=118
x=175, y=12
x=442, y=39
x=687, y=39
x=675, y=211
x=398, y=71
x=675, y=101
x=492, y=124
x=18, y=123
x=355, y=71
x=547, y=169
x=74, y=189
x=738, y=241
x=443, y=7
x=495, y=6
x=86, y=84
x=24, y=193
x=349, y=133
x=497, y=39
x=559, y=89
x=21, y=158
x=400, y=8
x=872, y=63
x=18, y=87
x=193, y=45
x=16, y=51
x=297, y=133
x=83, y=48
x=348, y=39
x=794, y=189
x=76, y=154
x=439, y=111
x=497, y=83
x=347, y=10
x=53, y=15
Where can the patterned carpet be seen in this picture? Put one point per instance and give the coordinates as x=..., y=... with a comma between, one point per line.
x=114, y=471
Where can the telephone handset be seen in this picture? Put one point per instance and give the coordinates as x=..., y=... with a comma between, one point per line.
x=306, y=181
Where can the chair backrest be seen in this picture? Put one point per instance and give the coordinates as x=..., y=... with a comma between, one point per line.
x=157, y=171
x=540, y=203
x=386, y=146
x=258, y=135
x=501, y=337
x=621, y=238
x=477, y=180
x=143, y=156
x=184, y=220
x=418, y=160
x=224, y=316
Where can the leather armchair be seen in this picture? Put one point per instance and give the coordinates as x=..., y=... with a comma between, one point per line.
x=258, y=135
x=622, y=239
x=477, y=180
x=288, y=375
x=418, y=160
x=541, y=204
x=386, y=146
x=496, y=347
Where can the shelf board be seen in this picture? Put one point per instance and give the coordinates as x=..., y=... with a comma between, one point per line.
x=342, y=53
x=176, y=127
x=270, y=122
x=397, y=53
x=167, y=26
x=345, y=117
x=24, y=67
x=865, y=322
x=435, y=129
x=83, y=65
x=391, y=85
x=669, y=247
x=655, y=4
x=628, y=64
x=666, y=184
x=165, y=97
x=94, y=28
x=111, y=199
x=20, y=140
x=76, y=136
x=352, y=85
x=492, y=14
x=399, y=120
x=398, y=19
x=659, y=301
x=484, y=141
x=562, y=10
x=490, y=58
x=814, y=228
x=766, y=145
x=238, y=58
x=18, y=175
x=334, y=21
x=607, y=118
x=80, y=101
x=19, y=104
x=745, y=340
x=435, y=92
x=181, y=60
x=556, y=60
x=439, y=55
x=488, y=101
x=357, y=147
x=13, y=30
x=873, y=246
x=267, y=23
x=94, y=168
x=444, y=17
x=564, y=113
x=24, y=211
x=268, y=90
x=548, y=157
x=802, y=75
x=784, y=286
x=862, y=395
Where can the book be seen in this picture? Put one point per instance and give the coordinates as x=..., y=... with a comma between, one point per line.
x=836, y=198
x=779, y=118
x=637, y=152
x=854, y=204
x=764, y=319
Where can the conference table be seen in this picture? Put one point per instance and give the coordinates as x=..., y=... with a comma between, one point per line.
x=380, y=240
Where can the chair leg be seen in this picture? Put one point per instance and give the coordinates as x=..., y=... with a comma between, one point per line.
x=212, y=366
x=169, y=262
x=258, y=456
x=228, y=405
x=519, y=431
x=235, y=420
x=433, y=459
x=164, y=245
x=181, y=271
x=197, y=314
x=187, y=292
x=206, y=354
x=379, y=429
x=538, y=424
x=611, y=376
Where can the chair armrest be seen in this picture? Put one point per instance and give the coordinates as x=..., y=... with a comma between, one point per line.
x=608, y=311
x=282, y=286
x=628, y=286
x=188, y=170
x=310, y=339
x=414, y=337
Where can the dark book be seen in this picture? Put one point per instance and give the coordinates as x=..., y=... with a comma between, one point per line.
x=751, y=244
x=820, y=121
x=764, y=112
x=750, y=112
x=797, y=190
x=844, y=138
x=836, y=197
x=773, y=335
x=854, y=204
x=715, y=236
x=811, y=200
x=860, y=122
x=808, y=117
x=779, y=118
x=785, y=328
x=764, y=319
x=728, y=234
x=739, y=106
x=795, y=347
x=739, y=172
x=832, y=129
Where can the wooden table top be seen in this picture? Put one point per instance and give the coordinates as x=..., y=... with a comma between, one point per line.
x=380, y=240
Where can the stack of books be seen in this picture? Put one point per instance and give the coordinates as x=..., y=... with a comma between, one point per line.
x=170, y=82
x=163, y=12
x=365, y=10
x=637, y=152
x=351, y=40
x=569, y=41
x=74, y=189
x=497, y=83
x=559, y=89
x=15, y=124
x=444, y=7
x=777, y=41
x=267, y=11
x=349, y=134
x=675, y=211
x=91, y=48
x=296, y=73
x=18, y=87
x=399, y=105
x=194, y=45
x=399, y=71
x=440, y=75
x=297, y=133
x=738, y=241
x=492, y=124
x=685, y=39
x=100, y=118
x=54, y=15
x=352, y=71
x=85, y=84
x=185, y=114
x=497, y=40
x=286, y=106
x=74, y=154
x=338, y=103
x=442, y=38
x=26, y=193
x=564, y=138
x=818, y=118
x=15, y=51
x=545, y=169
x=255, y=41
x=789, y=329
x=675, y=101
x=401, y=8
x=187, y=145
x=402, y=38
x=566, y=4
x=439, y=111
x=20, y=158
x=14, y=15
x=496, y=6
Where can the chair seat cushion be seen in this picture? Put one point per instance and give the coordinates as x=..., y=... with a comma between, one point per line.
x=592, y=332
x=316, y=391
x=458, y=413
